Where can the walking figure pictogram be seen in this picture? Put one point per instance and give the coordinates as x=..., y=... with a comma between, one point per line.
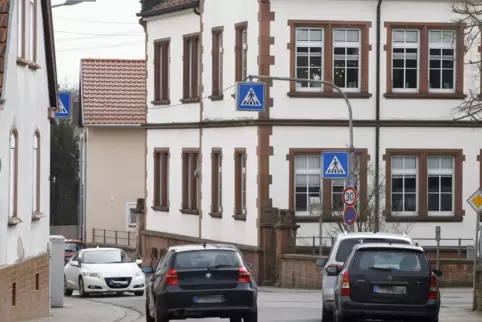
x=335, y=167
x=251, y=99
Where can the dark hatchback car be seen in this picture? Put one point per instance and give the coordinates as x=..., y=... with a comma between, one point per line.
x=201, y=281
x=389, y=282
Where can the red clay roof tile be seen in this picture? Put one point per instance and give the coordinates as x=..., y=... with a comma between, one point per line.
x=113, y=91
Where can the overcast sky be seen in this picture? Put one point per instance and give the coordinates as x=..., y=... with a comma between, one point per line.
x=104, y=29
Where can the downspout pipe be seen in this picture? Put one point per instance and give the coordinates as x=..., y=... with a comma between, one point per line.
x=196, y=8
x=377, y=118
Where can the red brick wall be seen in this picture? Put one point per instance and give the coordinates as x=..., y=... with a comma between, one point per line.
x=300, y=271
x=29, y=303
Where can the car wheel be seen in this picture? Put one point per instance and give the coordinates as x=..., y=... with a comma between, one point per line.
x=149, y=318
x=326, y=316
x=67, y=292
x=140, y=293
x=82, y=292
x=251, y=317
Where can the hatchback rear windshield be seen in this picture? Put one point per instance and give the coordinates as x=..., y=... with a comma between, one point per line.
x=207, y=258
x=346, y=245
x=392, y=259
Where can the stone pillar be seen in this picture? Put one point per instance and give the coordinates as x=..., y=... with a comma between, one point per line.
x=140, y=227
x=285, y=230
x=478, y=288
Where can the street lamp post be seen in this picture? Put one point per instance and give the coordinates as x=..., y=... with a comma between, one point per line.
x=70, y=3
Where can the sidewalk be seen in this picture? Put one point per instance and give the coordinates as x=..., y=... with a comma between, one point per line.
x=81, y=310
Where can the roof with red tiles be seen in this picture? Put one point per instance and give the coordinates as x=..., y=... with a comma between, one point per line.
x=158, y=7
x=113, y=91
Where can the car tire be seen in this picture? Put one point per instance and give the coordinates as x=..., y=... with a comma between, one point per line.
x=67, y=292
x=326, y=316
x=149, y=318
x=82, y=292
x=140, y=293
x=251, y=317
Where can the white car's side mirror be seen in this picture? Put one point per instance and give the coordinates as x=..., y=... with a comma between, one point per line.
x=139, y=262
x=74, y=263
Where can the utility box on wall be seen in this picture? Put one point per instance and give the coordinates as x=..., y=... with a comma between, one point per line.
x=57, y=249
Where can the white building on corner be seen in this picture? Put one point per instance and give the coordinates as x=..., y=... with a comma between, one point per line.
x=28, y=99
x=211, y=169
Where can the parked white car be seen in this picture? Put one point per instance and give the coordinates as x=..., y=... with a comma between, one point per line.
x=103, y=270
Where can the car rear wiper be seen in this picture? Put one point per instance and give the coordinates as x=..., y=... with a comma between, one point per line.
x=385, y=269
x=220, y=266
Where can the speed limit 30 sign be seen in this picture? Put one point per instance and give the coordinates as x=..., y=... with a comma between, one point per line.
x=349, y=196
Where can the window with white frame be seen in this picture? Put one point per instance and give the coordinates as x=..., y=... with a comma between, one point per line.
x=20, y=28
x=337, y=187
x=404, y=184
x=309, y=61
x=440, y=184
x=131, y=214
x=12, y=173
x=244, y=53
x=307, y=181
x=31, y=30
x=36, y=171
x=405, y=60
x=346, y=58
x=442, y=61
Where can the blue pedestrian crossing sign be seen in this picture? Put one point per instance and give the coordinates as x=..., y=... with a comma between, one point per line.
x=64, y=109
x=250, y=96
x=335, y=165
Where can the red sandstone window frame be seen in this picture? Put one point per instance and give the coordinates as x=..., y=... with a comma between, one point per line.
x=240, y=182
x=28, y=9
x=190, y=183
x=161, y=71
x=216, y=182
x=37, y=167
x=422, y=214
x=13, y=170
x=217, y=63
x=161, y=180
x=241, y=51
x=191, y=68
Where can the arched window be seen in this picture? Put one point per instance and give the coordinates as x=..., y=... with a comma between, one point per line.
x=36, y=173
x=13, y=174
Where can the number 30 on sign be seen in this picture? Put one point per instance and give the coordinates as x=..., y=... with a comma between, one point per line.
x=349, y=196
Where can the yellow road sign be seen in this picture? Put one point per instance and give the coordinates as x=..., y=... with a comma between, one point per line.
x=476, y=200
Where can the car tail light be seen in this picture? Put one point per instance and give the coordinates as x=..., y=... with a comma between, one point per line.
x=332, y=270
x=345, y=283
x=432, y=294
x=171, y=277
x=244, y=276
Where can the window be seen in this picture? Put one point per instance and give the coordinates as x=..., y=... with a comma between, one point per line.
x=240, y=159
x=346, y=55
x=191, y=67
x=307, y=181
x=424, y=185
x=405, y=57
x=216, y=181
x=161, y=179
x=309, y=51
x=346, y=245
x=207, y=258
x=404, y=184
x=21, y=28
x=190, y=169
x=132, y=219
x=241, y=51
x=425, y=60
x=105, y=256
x=32, y=37
x=440, y=184
x=13, y=174
x=36, y=173
x=335, y=52
x=400, y=260
x=217, y=61
x=161, y=73
x=442, y=58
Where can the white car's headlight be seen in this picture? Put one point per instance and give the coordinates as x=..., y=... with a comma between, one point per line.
x=90, y=274
x=138, y=274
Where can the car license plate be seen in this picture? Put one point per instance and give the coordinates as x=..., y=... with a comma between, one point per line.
x=208, y=299
x=389, y=290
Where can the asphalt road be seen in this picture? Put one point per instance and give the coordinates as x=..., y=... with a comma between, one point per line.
x=304, y=306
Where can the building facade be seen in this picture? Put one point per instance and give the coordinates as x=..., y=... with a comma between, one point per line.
x=28, y=101
x=212, y=171
x=112, y=145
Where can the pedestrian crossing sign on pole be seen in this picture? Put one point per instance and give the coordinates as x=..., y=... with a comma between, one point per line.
x=250, y=96
x=335, y=165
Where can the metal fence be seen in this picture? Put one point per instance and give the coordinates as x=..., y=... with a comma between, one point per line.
x=114, y=237
x=461, y=245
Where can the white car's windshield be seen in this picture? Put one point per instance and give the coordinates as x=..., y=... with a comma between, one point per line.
x=106, y=257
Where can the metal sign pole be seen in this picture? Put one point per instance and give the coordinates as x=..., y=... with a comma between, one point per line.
x=476, y=254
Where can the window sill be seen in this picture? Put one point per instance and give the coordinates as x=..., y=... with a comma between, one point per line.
x=239, y=217
x=33, y=66
x=190, y=100
x=160, y=208
x=36, y=216
x=216, y=214
x=161, y=102
x=327, y=95
x=189, y=212
x=13, y=221
x=219, y=97
x=391, y=218
x=440, y=96
x=22, y=62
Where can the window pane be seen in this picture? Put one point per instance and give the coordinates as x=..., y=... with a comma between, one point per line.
x=301, y=34
x=447, y=79
x=398, y=36
x=301, y=162
x=302, y=61
x=314, y=180
x=397, y=162
x=316, y=35
x=433, y=162
x=448, y=37
x=435, y=36
x=315, y=61
x=433, y=184
x=301, y=202
x=446, y=162
x=352, y=56
x=301, y=180
x=433, y=202
x=410, y=162
x=398, y=78
x=435, y=78
x=337, y=202
x=410, y=202
x=352, y=78
x=339, y=35
x=314, y=162
x=397, y=202
x=411, y=78
x=446, y=183
x=446, y=202
x=412, y=36
x=410, y=184
x=353, y=36
x=397, y=184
